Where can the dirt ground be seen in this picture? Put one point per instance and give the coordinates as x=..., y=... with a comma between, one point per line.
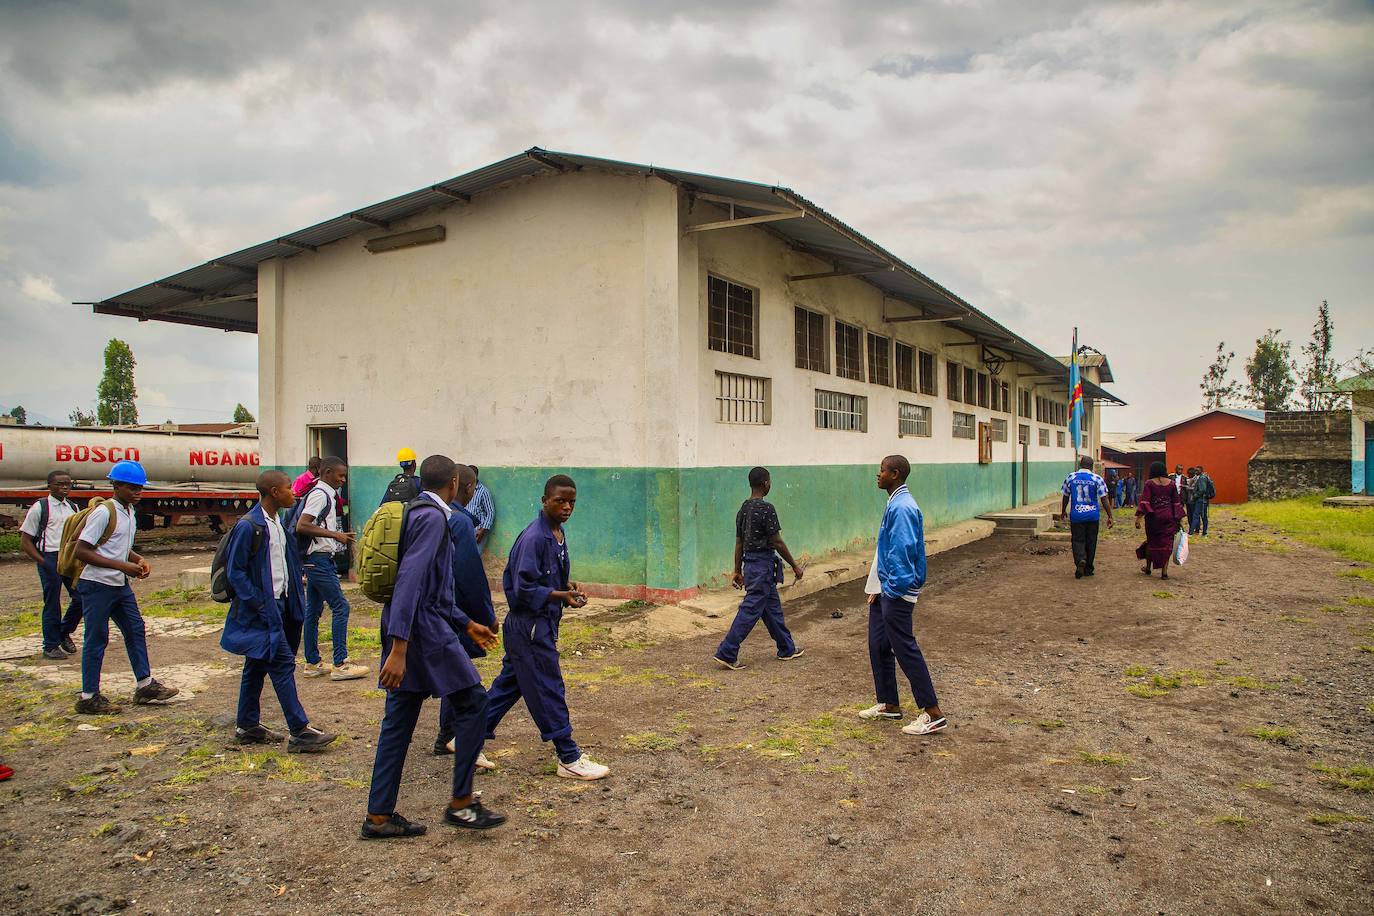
x=1118, y=745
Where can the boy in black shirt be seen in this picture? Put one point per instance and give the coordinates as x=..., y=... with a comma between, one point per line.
x=758, y=570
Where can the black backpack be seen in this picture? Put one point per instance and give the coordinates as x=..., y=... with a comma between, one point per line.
x=220, y=589
x=402, y=489
x=43, y=515
x=293, y=517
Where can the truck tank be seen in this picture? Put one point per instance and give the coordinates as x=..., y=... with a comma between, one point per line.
x=172, y=458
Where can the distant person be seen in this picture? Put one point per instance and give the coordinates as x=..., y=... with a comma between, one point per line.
x=1189, y=494
x=1161, y=508
x=265, y=617
x=405, y=486
x=319, y=530
x=1204, y=491
x=758, y=570
x=302, y=484
x=1178, y=477
x=421, y=658
x=538, y=585
x=1084, y=492
x=1119, y=492
x=106, y=595
x=472, y=597
x=893, y=588
x=1132, y=488
x=40, y=535
x=1111, y=483
x=482, y=508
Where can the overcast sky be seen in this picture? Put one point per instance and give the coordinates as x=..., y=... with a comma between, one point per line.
x=1162, y=175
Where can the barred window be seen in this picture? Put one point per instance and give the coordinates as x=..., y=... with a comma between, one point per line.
x=965, y=426
x=742, y=399
x=999, y=429
x=811, y=344
x=953, y=375
x=1006, y=398
x=836, y=410
x=1059, y=438
x=730, y=317
x=879, y=359
x=970, y=386
x=1024, y=396
x=984, y=385
x=1044, y=436
x=913, y=420
x=905, y=361
x=849, y=352
x=927, y=373
x=1023, y=434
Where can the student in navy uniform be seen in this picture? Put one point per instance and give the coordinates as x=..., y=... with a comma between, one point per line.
x=106, y=595
x=472, y=595
x=758, y=570
x=265, y=616
x=537, y=586
x=1085, y=499
x=423, y=657
x=40, y=535
x=405, y=486
x=321, y=521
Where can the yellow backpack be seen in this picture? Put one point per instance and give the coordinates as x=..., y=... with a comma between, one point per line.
x=379, y=556
x=67, y=563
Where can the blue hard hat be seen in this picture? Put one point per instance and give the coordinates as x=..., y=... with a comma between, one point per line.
x=129, y=472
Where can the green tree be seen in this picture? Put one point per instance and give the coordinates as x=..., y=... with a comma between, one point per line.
x=1218, y=389
x=1319, y=369
x=1270, y=371
x=241, y=415
x=21, y=416
x=116, y=397
x=79, y=417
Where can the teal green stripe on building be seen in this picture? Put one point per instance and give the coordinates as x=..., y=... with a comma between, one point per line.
x=674, y=529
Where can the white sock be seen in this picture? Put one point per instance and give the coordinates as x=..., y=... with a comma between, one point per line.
x=146, y=681
x=87, y=696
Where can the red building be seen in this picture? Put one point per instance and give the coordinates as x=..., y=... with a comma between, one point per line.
x=1223, y=441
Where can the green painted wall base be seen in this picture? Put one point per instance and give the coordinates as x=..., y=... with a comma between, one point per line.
x=673, y=529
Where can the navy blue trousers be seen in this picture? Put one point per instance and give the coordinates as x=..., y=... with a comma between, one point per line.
x=281, y=668
x=891, y=642
x=101, y=604
x=761, y=573
x=530, y=671
x=469, y=716
x=55, y=626
x=322, y=585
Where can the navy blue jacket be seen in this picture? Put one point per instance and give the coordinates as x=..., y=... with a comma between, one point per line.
x=254, y=626
x=538, y=565
x=422, y=611
x=471, y=591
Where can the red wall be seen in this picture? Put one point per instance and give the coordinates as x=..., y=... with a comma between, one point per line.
x=1227, y=460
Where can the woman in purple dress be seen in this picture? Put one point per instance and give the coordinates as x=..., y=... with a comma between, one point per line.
x=1161, y=507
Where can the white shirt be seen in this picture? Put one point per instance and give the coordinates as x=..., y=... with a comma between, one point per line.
x=448, y=510
x=116, y=548
x=49, y=539
x=314, y=505
x=276, y=554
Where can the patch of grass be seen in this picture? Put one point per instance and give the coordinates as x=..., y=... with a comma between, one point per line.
x=1337, y=817
x=1164, y=595
x=1369, y=707
x=179, y=594
x=1091, y=790
x=1102, y=759
x=21, y=623
x=1137, y=671
x=651, y=741
x=179, y=819
x=201, y=613
x=1333, y=609
x=1246, y=682
x=202, y=762
x=1366, y=648
x=1145, y=691
x=9, y=542
x=805, y=738
x=1257, y=785
x=1360, y=601
x=104, y=829
x=1347, y=532
x=634, y=604
x=1357, y=778
x=1289, y=618
x=1231, y=820
x=1275, y=735
x=1050, y=724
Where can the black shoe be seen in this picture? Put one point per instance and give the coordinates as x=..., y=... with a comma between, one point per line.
x=98, y=705
x=441, y=746
x=258, y=734
x=153, y=692
x=396, y=828
x=68, y=646
x=1078, y=571
x=309, y=740
x=55, y=653
x=474, y=816
x=1089, y=572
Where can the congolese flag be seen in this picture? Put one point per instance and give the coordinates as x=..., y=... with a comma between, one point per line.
x=1075, y=400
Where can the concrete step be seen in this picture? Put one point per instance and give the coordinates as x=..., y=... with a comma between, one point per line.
x=1026, y=524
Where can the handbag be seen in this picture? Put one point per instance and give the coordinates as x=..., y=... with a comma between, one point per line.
x=1180, y=547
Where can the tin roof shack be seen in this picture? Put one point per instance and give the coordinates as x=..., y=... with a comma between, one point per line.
x=1223, y=441
x=1304, y=451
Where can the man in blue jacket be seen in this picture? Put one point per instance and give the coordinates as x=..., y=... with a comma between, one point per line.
x=422, y=657
x=472, y=595
x=265, y=617
x=537, y=584
x=894, y=585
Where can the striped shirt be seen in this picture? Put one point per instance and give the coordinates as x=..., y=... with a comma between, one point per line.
x=481, y=507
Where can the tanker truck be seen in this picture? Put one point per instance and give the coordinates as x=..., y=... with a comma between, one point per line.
x=210, y=476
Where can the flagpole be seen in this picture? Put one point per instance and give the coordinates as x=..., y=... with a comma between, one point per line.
x=1077, y=433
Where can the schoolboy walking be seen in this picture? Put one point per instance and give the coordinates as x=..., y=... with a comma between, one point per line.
x=538, y=585
x=758, y=570
x=39, y=537
x=265, y=617
x=422, y=657
x=106, y=595
x=894, y=586
x=320, y=529
x=1085, y=499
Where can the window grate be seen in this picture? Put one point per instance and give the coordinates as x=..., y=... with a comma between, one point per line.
x=879, y=360
x=905, y=361
x=999, y=429
x=730, y=317
x=811, y=348
x=965, y=426
x=953, y=376
x=927, y=373
x=742, y=399
x=1044, y=436
x=849, y=352
x=913, y=420
x=836, y=410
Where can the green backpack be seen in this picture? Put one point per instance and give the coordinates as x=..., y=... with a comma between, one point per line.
x=379, y=557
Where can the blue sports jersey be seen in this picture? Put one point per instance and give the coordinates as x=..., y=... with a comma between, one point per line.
x=1084, y=489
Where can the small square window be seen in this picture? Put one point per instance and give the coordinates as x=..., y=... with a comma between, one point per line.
x=913, y=420
x=742, y=399
x=1059, y=438
x=999, y=429
x=1044, y=436
x=965, y=426
x=1023, y=434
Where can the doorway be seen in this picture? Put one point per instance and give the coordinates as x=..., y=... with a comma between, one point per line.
x=332, y=442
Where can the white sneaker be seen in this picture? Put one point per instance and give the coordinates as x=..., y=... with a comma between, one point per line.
x=879, y=711
x=924, y=725
x=348, y=671
x=484, y=764
x=583, y=768
x=316, y=670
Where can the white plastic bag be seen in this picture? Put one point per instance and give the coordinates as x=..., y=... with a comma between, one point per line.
x=1180, y=547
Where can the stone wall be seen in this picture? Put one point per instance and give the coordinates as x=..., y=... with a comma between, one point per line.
x=1303, y=452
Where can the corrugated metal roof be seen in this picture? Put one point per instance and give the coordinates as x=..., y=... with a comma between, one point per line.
x=222, y=293
x=1157, y=435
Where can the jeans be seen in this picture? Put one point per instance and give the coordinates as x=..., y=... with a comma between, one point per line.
x=760, y=600
x=281, y=668
x=322, y=585
x=468, y=709
x=1197, y=517
x=530, y=671
x=101, y=604
x=55, y=626
x=1084, y=535
x=891, y=642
